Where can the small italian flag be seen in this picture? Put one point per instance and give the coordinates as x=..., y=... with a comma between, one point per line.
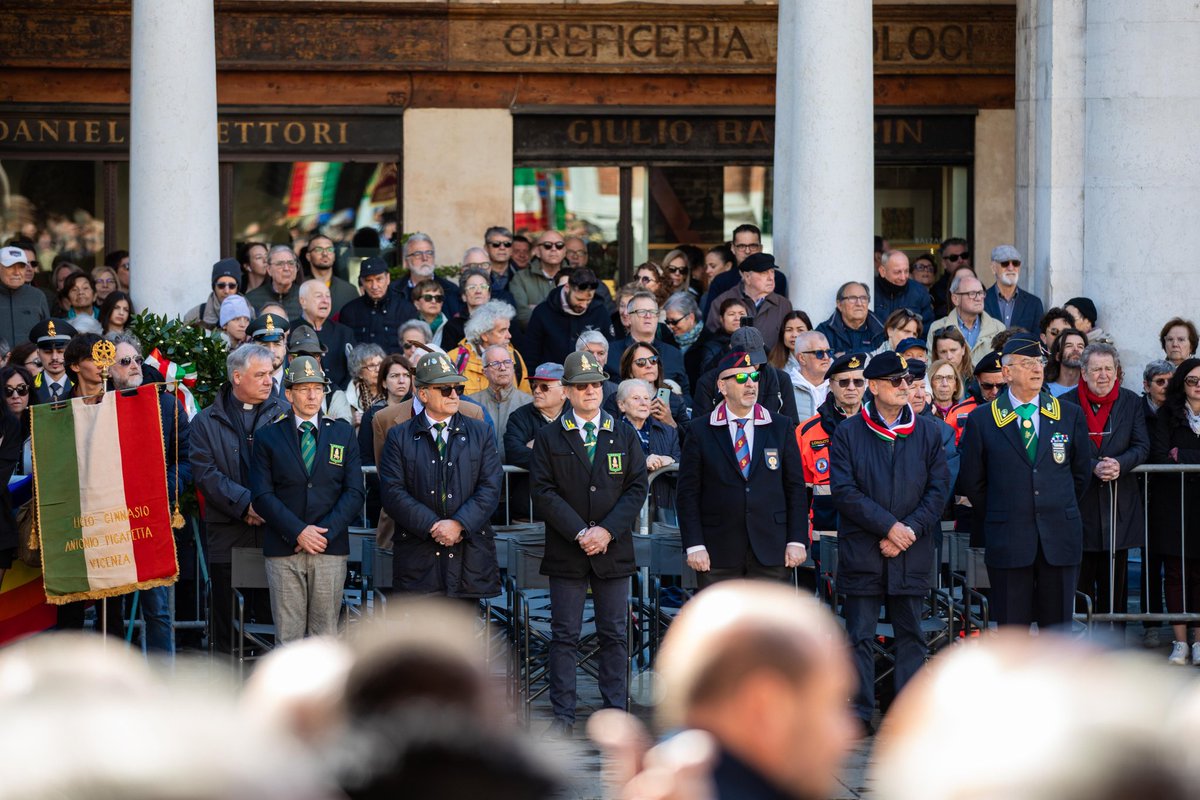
x=103, y=514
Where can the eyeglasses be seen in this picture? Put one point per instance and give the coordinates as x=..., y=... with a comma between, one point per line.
x=553, y=245
x=478, y=287
x=747, y=248
x=432, y=298
x=956, y=257
x=109, y=282
x=227, y=286
x=291, y=264
x=422, y=254
x=673, y=322
x=1161, y=381
x=942, y=379
x=1192, y=380
x=320, y=250
x=36, y=362
x=742, y=377
x=1029, y=362
x=899, y=380
x=127, y=360
x=845, y=383
x=505, y=243
x=856, y=298
x=643, y=312
x=647, y=361
x=822, y=354
x=411, y=345
x=591, y=286
x=644, y=279
x=20, y=390
x=976, y=294
x=505, y=364
x=922, y=266
x=991, y=387
x=446, y=391
x=1010, y=263
x=543, y=386
x=677, y=270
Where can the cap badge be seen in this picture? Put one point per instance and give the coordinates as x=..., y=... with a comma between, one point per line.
x=854, y=363
x=270, y=323
x=308, y=370
x=903, y=362
x=746, y=360
x=50, y=328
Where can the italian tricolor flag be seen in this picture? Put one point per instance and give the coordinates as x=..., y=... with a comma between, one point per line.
x=103, y=513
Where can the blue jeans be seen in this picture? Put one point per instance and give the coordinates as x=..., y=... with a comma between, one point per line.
x=610, y=599
x=156, y=610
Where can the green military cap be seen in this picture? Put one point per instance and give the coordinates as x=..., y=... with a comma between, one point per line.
x=267, y=328
x=435, y=369
x=304, y=369
x=303, y=341
x=583, y=367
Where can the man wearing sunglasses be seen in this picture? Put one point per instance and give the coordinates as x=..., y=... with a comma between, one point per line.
x=740, y=497
x=588, y=477
x=809, y=372
x=52, y=383
x=531, y=286
x=498, y=242
x=21, y=305
x=890, y=483
x=566, y=313
x=225, y=276
x=954, y=253
x=1005, y=300
x=846, y=383
x=440, y=478
x=1026, y=462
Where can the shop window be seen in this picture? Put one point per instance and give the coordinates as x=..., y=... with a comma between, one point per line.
x=60, y=205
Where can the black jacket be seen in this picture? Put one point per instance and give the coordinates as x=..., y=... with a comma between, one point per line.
x=11, y=445
x=874, y=484
x=523, y=426
x=338, y=340
x=912, y=295
x=571, y=494
x=1171, y=431
x=1127, y=440
x=551, y=333
x=729, y=514
x=290, y=499
x=377, y=321
x=419, y=489
x=775, y=393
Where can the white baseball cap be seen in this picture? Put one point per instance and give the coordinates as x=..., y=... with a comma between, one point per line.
x=11, y=256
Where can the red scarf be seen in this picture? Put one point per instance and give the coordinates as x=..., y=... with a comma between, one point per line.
x=1098, y=419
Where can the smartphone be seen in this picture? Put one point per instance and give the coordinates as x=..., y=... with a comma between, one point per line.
x=747, y=322
x=664, y=396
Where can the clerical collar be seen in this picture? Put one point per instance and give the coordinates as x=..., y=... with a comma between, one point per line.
x=247, y=406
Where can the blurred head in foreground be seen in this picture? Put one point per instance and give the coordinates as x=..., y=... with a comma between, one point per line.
x=766, y=672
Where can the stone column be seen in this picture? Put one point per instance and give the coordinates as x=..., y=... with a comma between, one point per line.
x=824, y=149
x=174, y=226
x=1142, y=170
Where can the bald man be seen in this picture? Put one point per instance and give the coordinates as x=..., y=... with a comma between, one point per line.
x=766, y=672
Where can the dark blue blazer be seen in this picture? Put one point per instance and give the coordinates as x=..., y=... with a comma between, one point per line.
x=1023, y=504
x=727, y=513
x=290, y=499
x=1027, y=313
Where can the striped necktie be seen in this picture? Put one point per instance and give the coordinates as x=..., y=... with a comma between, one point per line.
x=741, y=448
x=1028, y=433
x=308, y=445
x=438, y=427
x=589, y=440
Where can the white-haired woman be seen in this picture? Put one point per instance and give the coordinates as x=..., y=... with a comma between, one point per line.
x=660, y=443
x=363, y=390
x=489, y=325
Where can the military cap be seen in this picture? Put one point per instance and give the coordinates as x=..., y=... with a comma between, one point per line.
x=911, y=341
x=847, y=362
x=267, y=328
x=52, y=331
x=738, y=359
x=1023, y=345
x=758, y=262
x=887, y=364
x=304, y=369
x=375, y=265
x=549, y=371
x=435, y=369
x=989, y=363
x=917, y=368
x=303, y=340
x=582, y=367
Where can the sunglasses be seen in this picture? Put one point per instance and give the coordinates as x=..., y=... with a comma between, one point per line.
x=411, y=345
x=857, y=382
x=589, y=385
x=676, y=270
x=1192, y=380
x=647, y=279
x=127, y=360
x=505, y=243
x=898, y=381
x=432, y=298
x=742, y=377
x=991, y=387
x=818, y=353
x=585, y=287
x=963, y=256
x=227, y=286
x=542, y=386
x=20, y=390
x=1011, y=263
x=1161, y=381
x=446, y=391
x=647, y=361
x=673, y=322
x=554, y=245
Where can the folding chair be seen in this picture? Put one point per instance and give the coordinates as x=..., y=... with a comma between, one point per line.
x=249, y=571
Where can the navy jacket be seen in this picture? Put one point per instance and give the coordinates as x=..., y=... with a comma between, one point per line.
x=912, y=295
x=290, y=499
x=417, y=492
x=377, y=321
x=670, y=361
x=1128, y=441
x=844, y=340
x=876, y=483
x=571, y=494
x=338, y=339
x=729, y=514
x=775, y=393
x=1023, y=504
x=175, y=445
x=1027, y=313
x=551, y=333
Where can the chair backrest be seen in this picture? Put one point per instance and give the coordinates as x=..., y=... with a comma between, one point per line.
x=248, y=569
x=642, y=545
x=529, y=533
x=977, y=574
x=525, y=562
x=360, y=539
x=383, y=568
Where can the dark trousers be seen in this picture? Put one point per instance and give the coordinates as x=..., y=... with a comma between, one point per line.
x=1152, y=585
x=70, y=615
x=1093, y=581
x=1039, y=593
x=1176, y=590
x=258, y=605
x=610, y=599
x=862, y=616
x=752, y=568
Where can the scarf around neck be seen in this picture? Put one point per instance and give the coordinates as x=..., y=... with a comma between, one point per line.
x=904, y=424
x=1096, y=410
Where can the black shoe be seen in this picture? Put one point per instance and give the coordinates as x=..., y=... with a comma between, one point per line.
x=559, y=729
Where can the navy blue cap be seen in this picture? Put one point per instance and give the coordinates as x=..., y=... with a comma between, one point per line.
x=989, y=363
x=375, y=265
x=916, y=368
x=759, y=262
x=1023, y=345
x=847, y=362
x=886, y=365
x=911, y=341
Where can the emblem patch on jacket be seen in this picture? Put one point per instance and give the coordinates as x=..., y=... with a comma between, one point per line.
x=336, y=454
x=772, y=457
x=615, y=465
x=1058, y=447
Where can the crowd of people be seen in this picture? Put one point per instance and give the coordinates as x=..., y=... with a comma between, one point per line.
x=922, y=399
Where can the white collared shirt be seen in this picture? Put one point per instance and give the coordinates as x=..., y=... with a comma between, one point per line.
x=748, y=428
x=580, y=422
x=444, y=434
x=1036, y=418
x=315, y=419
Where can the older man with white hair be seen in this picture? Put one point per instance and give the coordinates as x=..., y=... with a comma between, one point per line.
x=807, y=371
x=420, y=260
x=315, y=307
x=501, y=397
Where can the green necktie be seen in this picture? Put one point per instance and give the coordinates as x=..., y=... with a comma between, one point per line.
x=308, y=445
x=438, y=427
x=589, y=440
x=1028, y=434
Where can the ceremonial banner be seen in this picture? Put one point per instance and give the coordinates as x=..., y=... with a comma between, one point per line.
x=102, y=508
